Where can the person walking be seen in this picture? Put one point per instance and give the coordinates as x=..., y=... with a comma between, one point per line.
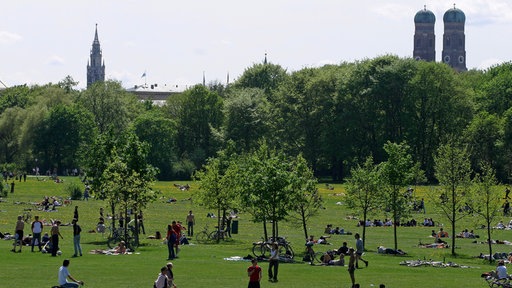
x=351, y=265
x=76, y=238
x=273, y=263
x=64, y=276
x=18, y=233
x=191, y=221
x=37, y=229
x=359, y=250
x=171, y=240
x=254, y=273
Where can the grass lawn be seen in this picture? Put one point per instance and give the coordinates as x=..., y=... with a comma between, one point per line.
x=203, y=265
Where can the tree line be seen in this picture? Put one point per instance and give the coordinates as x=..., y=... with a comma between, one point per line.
x=335, y=116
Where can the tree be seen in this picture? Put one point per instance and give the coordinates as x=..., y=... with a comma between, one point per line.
x=113, y=108
x=397, y=172
x=484, y=136
x=437, y=106
x=453, y=171
x=486, y=200
x=199, y=115
x=61, y=134
x=126, y=179
x=363, y=189
x=160, y=133
x=217, y=181
x=266, y=76
x=263, y=182
x=246, y=117
x=306, y=200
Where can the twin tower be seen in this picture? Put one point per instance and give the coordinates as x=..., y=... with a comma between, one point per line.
x=454, y=40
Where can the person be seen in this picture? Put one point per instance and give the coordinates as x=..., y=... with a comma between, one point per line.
x=64, y=276
x=273, y=265
x=506, y=208
x=343, y=250
x=75, y=213
x=161, y=280
x=351, y=265
x=76, y=237
x=18, y=236
x=191, y=221
x=422, y=206
x=228, y=225
x=141, y=223
x=501, y=270
x=170, y=276
x=55, y=237
x=176, y=226
x=507, y=191
x=359, y=250
x=442, y=233
x=37, y=229
x=254, y=273
x=121, y=248
x=86, y=192
x=171, y=239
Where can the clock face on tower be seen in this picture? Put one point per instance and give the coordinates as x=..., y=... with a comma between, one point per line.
x=461, y=59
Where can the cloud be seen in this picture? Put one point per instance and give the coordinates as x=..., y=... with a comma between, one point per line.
x=55, y=61
x=7, y=37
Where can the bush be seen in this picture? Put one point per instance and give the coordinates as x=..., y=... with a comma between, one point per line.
x=74, y=191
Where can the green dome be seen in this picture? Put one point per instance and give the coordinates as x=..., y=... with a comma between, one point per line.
x=425, y=16
x=454, y=15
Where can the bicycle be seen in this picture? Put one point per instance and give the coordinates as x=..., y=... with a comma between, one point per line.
x=311, y=256
x=262, y=248
x=205, y=235
x=117, y=235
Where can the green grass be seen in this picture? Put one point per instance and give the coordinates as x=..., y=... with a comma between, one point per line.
x=204, y=265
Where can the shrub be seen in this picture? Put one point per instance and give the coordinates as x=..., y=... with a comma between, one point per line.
x=74, y=191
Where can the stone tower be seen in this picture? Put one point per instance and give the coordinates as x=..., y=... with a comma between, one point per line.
x=454, y=40
x=424, y=36
x=95, y=67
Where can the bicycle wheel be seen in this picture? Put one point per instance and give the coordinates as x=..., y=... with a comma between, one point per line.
x=216, y=235
x=113, y=240
x=317, y=256
x=257, y=249
x=132, y=242
x=202, y=237
x=286, y=251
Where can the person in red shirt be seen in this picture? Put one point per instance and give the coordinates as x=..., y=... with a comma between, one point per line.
x=177, y=230
x=254, y=273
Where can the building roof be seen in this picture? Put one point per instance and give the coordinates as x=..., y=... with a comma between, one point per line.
x=454, y=15
x=425, y=16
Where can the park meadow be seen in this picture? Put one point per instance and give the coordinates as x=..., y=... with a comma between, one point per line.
x=208, y=265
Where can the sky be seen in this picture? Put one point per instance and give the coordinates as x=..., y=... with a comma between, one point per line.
x=177, y=42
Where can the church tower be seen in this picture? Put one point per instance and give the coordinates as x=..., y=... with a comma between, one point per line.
x=454, y=40
x=424, y=36
x=95, y=67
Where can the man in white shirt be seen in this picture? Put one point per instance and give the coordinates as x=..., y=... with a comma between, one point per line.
x=37, y=229
x=64, y=275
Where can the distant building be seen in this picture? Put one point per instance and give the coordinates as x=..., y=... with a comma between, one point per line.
x=95, y=66
x=424, y=36
x=454, y=39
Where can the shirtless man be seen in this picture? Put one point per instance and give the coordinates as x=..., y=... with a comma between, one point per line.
x=351, y=265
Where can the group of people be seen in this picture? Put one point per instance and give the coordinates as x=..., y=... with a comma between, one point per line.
x=174, y=235
x=166, y=277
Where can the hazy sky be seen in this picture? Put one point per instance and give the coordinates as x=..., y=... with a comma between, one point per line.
x=174, y=42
